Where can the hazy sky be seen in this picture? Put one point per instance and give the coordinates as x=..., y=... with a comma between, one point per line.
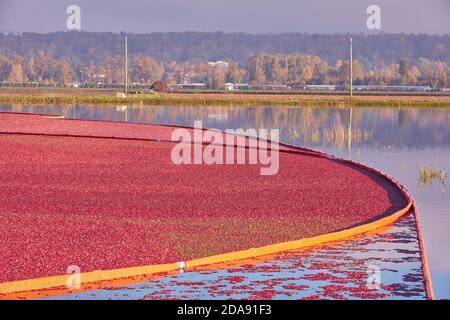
x=254, y=16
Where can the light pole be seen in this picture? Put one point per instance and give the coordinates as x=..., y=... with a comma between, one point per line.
x=351, y=68
x=126, y=64
x=351, y=97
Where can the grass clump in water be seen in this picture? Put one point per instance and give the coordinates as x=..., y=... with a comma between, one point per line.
x=428, y=174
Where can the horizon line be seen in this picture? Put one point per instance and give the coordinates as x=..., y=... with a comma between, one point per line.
x=362, y=34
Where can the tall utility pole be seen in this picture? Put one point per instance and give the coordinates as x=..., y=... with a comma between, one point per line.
x=351, y=68
x=126, y=64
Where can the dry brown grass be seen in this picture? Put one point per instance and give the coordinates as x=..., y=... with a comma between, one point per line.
x=92, y=96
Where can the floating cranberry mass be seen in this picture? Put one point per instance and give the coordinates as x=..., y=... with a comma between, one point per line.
x=103, y=195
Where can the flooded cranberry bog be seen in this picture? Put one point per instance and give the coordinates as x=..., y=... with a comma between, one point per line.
x=107, y=198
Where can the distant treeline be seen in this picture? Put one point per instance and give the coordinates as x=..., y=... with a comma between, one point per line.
x=372, y=50
x=183, y=57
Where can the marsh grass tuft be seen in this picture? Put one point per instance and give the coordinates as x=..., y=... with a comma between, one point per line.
x=338, y=134
x=428, y=174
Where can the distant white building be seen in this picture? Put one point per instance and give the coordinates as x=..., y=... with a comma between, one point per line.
x=236, y=86
x=218, y=64
x=321, y=87
x=281, y=87
x=394, y=88
x=188, y=86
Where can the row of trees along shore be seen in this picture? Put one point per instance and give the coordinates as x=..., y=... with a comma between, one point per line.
x=299, y=69
x=290, y=58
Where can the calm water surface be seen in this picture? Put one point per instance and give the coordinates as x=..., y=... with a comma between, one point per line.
x=395, y=140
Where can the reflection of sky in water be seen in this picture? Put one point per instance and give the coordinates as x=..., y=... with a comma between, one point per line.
x=397, y=141
x=331, y=272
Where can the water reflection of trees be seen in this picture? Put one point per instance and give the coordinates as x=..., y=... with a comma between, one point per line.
x=409, y=127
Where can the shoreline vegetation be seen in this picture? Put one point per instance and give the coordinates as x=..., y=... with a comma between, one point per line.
x=105, y=97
